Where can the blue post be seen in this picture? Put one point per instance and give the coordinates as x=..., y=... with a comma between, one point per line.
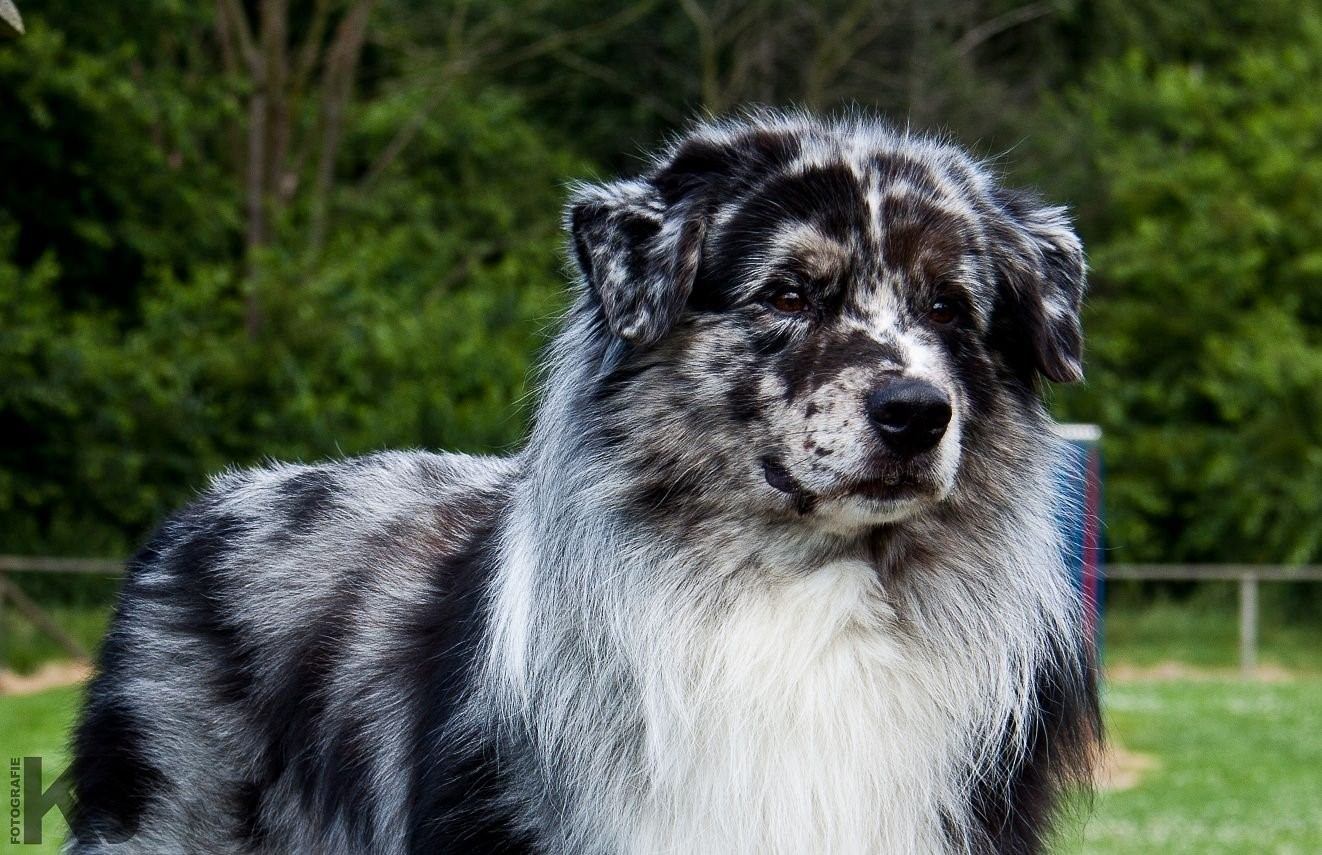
x=1080, y=518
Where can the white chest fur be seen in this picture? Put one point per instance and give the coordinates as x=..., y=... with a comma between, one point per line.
x=809, y=718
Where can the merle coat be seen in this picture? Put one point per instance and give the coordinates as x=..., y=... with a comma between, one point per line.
x=776, y=571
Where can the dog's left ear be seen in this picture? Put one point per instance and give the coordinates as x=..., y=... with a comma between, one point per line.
x=1042, y=270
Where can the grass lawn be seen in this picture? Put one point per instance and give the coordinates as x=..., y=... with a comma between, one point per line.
x=1237, y=769
x=23, y=647
x=1203, y=629
x=38, y=726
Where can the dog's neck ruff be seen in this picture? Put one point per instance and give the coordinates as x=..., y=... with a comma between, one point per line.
x=736, y=691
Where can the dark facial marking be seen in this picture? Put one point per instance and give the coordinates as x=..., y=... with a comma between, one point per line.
x=921, y=239
x=827, y=198
x=824, y=356
x=900, y=168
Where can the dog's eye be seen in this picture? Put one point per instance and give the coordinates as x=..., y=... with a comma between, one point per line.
x=790, y=302
x=943, y=313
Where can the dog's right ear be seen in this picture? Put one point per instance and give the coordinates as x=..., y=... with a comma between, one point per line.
x=638, y=255
x=638, y=243
x=616, y=231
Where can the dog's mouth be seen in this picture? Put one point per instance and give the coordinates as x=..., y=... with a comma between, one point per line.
x=780, y=479
x=778, y=476
x=888, y=487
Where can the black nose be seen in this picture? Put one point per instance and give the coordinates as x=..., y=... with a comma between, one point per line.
x=910, y=415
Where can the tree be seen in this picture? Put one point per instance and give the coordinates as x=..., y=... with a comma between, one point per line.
x=972, y=66
x=1205, y=316
x=129, y=370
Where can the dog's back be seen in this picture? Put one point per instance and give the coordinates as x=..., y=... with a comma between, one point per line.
x=282, y=650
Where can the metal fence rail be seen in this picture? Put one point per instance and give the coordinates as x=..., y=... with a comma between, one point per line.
x=1248, y=576
x=41, y=564
x=36, y=615
x=11, y=594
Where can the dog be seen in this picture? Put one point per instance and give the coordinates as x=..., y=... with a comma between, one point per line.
x=776, y=571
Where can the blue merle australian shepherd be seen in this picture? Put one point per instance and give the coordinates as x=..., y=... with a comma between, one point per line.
x=776, y=571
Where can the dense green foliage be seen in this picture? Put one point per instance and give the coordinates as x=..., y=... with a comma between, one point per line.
x=1206, y=302
x=404, y=262
x=128, y=371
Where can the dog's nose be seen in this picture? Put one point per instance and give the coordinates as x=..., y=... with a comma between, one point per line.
x=910, y=415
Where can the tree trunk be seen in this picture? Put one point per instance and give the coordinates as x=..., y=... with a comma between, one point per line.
x=337, y=87
x=275, y=65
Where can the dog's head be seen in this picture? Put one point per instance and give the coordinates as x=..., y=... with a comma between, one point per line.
x=823, y=315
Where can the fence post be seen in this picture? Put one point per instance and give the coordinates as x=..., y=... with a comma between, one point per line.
x=1248, y=625
x=30, y=610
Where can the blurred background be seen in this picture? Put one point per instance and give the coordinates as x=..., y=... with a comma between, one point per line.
x=294, y=229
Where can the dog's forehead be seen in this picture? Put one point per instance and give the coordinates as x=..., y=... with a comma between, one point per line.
x=906, y=204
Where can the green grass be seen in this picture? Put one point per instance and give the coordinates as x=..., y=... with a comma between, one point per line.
x=1237, y=767
x=23, y=648
x=80, y=604
x=38, y=726
x=1237, y=771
